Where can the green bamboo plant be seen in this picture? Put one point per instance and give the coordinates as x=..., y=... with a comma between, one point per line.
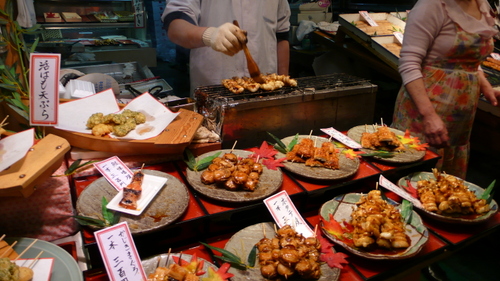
x=14, y=82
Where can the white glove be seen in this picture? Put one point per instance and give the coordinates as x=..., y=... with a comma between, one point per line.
x=226, y=38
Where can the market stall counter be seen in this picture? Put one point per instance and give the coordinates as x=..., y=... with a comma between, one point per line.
x=215, y=221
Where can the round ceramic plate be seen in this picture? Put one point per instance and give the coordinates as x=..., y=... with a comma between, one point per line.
x=166, y=207
x=270, y=181
x=150, y=264
x=348, y=167
x=341, y=207
x=64, y=267
x=450, y=218
x=242, y=242
x=407, y=156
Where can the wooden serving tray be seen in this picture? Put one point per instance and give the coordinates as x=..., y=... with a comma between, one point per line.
x=40, y=162
x=173, y=140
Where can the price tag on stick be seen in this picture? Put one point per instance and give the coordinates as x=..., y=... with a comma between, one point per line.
x=284, y=213
x=367, y=18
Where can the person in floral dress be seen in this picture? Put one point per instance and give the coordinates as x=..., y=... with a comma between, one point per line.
x=444, y=43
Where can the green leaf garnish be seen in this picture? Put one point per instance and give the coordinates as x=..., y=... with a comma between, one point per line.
x=279, y=145
x=202, y=164
x=406, y=210
x=487, y=194
x=227, y=256
x=252, y=256
x=109, y=217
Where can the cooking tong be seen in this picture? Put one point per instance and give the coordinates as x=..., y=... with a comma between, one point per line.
x=253, y=68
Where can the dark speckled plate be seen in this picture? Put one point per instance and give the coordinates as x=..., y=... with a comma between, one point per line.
x=270, y=181
x=242, y=242
x=348, y=167
x=408, y=156
x=167, y=206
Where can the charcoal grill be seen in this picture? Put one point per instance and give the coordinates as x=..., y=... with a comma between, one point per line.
x=335, y=100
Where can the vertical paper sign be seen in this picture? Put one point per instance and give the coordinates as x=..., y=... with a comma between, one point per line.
x=284, y=213
x=119, y=253
x=139, y=17
x=367, y=18
x=115, y=171
x=44, y=88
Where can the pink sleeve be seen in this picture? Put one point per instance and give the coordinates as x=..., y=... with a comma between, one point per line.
x=423, y=26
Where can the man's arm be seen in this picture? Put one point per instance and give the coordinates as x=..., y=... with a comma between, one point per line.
x=283, y=50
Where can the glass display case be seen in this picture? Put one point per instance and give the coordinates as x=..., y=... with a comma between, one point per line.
x=110, y=30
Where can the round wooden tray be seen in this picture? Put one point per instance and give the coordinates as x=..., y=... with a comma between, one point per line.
x=173, y=140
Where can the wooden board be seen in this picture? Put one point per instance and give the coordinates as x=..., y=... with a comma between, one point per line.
x=173, y=140
x=39, y=163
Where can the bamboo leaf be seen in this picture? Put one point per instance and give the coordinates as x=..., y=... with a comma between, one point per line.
x=486, y=194
x=226, y=255
x=82, y=220
x=406, y=211
x=189, y=159
x=252, y=256
x=202, y=164
x=279, y=143
x=107, y=214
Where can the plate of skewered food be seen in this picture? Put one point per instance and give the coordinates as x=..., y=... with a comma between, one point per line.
x=177, y=266
x=317, y=158
x=388, y=144
x=448, y=198
x=234, y=176
x=373, y=227
x=282, y=254
x=162, y=203
x=26, y=259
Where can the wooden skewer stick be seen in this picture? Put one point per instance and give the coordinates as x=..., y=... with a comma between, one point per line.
x=234, y=145
x=27, y=248
x=315, y=230
x=310, y=133
x=3, y=124
x=35, y=259
x=1, y=238
x=381, y=121
x=8, y=249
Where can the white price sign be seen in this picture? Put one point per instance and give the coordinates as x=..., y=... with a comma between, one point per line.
x=115, y=171
x=341, y=138
x=284, y=213
x=367, y=18
x=119, y=253
x=394, y=188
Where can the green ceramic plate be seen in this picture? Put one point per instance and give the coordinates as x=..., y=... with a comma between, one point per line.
x=341, y=207
x=459, y=219
x=64, y=267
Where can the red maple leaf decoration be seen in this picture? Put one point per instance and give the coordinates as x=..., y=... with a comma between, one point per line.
x=329, y=255
x=194, y=266
x=50, y=15
x=219, y=275
x=410, y=189
x=334, y=259
x=333, y=227
x=273, y=164
x=265, y=151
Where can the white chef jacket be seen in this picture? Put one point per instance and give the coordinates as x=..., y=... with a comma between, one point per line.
x=262, y=19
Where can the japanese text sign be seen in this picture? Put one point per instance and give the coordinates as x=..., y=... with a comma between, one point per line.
x=115, y=171
x=44, y=88
x=284, y=213
x=119, y=253
x=341, y=138
x=394, y=188
x=140, y=17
